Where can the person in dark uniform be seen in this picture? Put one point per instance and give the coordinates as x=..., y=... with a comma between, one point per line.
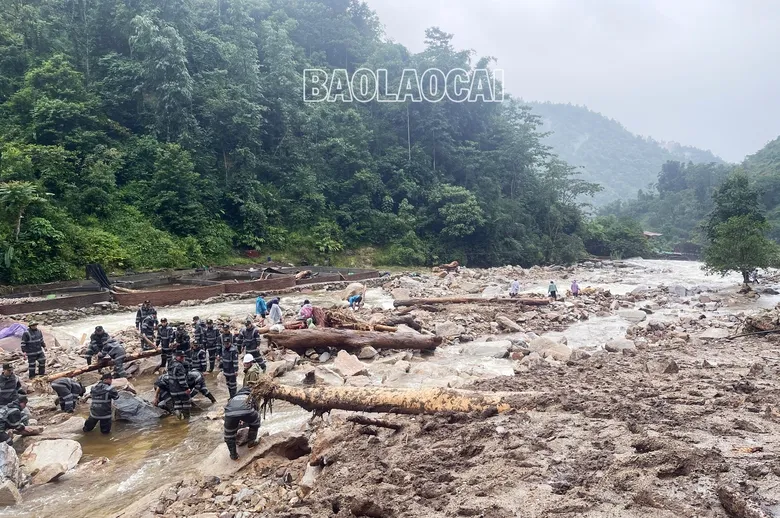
x=165, y=336
x=228, y=359
x=241, y=410
x=196, y=358
x=100, y=410
x=211, y=343
x=197, y=384
x=147, y=332
x=115, y=351
x=162, y=397
x=144, y=311
x=198, y=326
x=68, y=390
x=34, y=349
x=181, y=340
x=248, y=339
x=12, y=419
x=97, y=341
x=10, y=386
x=180, y=391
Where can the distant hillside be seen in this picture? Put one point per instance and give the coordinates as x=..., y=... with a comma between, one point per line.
x=766, y=161
x=607, y=152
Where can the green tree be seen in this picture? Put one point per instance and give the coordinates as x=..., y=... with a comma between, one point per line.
x=740, y=245
x=15, y=198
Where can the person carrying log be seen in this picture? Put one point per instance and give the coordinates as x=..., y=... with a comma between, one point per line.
x=100, y=410
x=68, y=390
x=180, y=391
x=97, y=341
x=228, y=359
x=165, y=336
x=10, y=386
x=34, y=348
x=115, y=351
x=197, y=384
x=144, y=311
x=241, y=410
x=211, y=343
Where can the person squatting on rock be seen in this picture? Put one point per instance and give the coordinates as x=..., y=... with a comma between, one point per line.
x=100, y=410
x=144, y=311
x=34, y=349
x=97, y=341
x=68, y=390
x=248, y=339
x=241, y=410
x=197, y=383
x=165, y=335
x=147, y=332
x=228, y=359
x=211, y=343
x=162, y=396
x=180, y=391
x=115, y=351
x=10, y=386
x=12, y=419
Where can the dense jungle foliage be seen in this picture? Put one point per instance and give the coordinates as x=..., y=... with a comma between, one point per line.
x=145, y=134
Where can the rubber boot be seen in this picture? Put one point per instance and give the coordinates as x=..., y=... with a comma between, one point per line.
x=41, y=370
x=31, y=372
x=252, y=438
x=232, y=450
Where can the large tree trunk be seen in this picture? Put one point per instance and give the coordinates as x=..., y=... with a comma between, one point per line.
x=403, y=319
x=83, y=370
x=470, y=300
x=381, y=399
x=351, y=340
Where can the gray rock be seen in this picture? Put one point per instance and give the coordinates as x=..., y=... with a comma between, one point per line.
x=324, y=357
x=640, y=290
x=708, y=364
x=347, y=365
x=327, y=376
x=714, y=333
x=633, y=315
x=578, y=355
x=671, y=368
x=449, y=329
x=679, y=290
x=401, y=294
x=507, y=324
x=9, y=494
x=134, y=409
x=309, y=478
x=10, y=468
x=550, y=349
x=367, y=353
x=56, y=451
x=403, y=365
x=619, y=345
x=244, y=494
x=48, y=473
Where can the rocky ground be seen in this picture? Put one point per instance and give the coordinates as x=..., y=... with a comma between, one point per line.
x=670, y=418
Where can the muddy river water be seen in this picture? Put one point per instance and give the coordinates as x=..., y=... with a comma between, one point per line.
x=141, y=458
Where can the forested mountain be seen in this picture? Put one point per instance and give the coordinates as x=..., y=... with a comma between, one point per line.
x=146, y=134
x=607, y=152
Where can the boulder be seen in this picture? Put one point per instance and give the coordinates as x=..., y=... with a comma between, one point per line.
x=708, y=364
x=548, y=348
x=347, y=365
x=402, y=365
x=74, y=425
x=509, y=325
x=578, y=355
x=714, y=333
x=640, y=290
x=633, y=316
x=309, y=478
x=219, y=464
x=48, y=473
x=671, y=368
x=449, y=329
x=9, y=494
x=367, y=353
x=135, y=410
x=403, y=328
x=679, y=290
x=327, y=376
x=10, y=468
x=56, y=451
x=619, y=344
x=276, y=369
x=324, y=357
x=401, y=293
x=496, y=349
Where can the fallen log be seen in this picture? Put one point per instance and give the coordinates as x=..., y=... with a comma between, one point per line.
x=351, y=340
x=288, y=325
x=367, y=421
x=471, y=300
x=380, y=399
x=83, y=370
x=369, y=327
x=407, y=320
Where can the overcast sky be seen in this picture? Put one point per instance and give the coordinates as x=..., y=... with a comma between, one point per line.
x=700, y=72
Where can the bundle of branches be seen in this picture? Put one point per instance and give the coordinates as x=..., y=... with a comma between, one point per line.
x=343, y=317
x=319, y=316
